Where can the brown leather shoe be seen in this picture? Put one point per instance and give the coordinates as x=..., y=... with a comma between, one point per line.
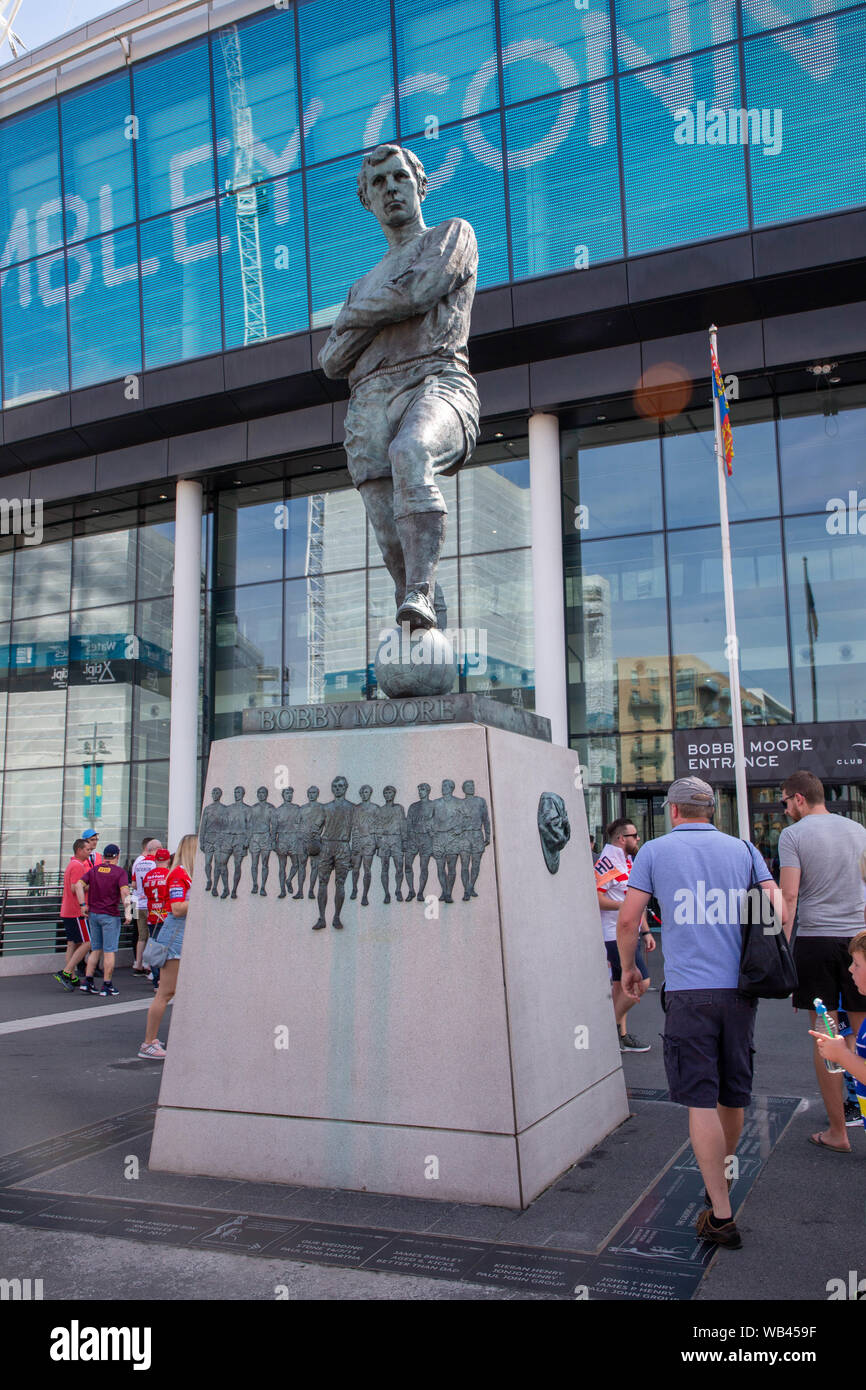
x=726, y=1235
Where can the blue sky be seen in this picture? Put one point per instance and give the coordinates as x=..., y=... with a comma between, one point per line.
x=37, y=22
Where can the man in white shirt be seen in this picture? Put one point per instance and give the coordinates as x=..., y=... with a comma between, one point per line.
x=612, y=869
x=143, y=864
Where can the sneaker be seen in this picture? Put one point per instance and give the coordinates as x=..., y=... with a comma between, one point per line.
x=67, y=981
x=139, y=970
x=152, y=1052
x=417, y=610
x=107, y=990
x=726, y=1235
x=629, y=1043
x=88, y=986
x=853, y=1114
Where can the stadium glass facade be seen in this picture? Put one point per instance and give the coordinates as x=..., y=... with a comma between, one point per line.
x=559, y=130
x=200, y=200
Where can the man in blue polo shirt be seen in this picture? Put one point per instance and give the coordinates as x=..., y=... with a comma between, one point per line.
x=703, y=881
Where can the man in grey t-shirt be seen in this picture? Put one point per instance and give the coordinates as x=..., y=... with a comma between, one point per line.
x=819, y=855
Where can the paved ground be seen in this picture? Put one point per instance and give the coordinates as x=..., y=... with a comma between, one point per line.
x=803, y=1219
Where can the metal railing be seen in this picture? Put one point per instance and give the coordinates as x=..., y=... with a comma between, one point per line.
x=30, y=922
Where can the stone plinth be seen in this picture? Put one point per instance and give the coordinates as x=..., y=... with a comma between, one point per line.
x=464, y=1051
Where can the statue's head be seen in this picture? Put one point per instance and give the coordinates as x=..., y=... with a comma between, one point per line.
x=239, y=793
x=423, y=790
x=392, y=185
x=366, y=792
x=469, y=788
x=288, y=793
x=447, y=787
x=312, y=793
x=262, y=793
x=216, y=793
x=389, y=793
x=339, y=786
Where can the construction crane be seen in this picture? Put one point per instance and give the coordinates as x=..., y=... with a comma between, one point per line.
x=8, y=10
x=247, y=197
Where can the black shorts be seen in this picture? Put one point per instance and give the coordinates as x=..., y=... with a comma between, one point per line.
x=615, y=965
x=708, y=1045
x=823, y=973
x=77, y=929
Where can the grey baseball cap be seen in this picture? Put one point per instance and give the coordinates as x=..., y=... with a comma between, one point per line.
x=690, y=791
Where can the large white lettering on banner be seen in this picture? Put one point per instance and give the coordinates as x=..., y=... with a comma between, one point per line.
x=816, y=52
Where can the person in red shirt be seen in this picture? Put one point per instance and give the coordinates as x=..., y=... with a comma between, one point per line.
x=171, y=933
x=154, y=887
x=73, y=918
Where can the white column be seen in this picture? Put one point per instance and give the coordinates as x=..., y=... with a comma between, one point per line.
x=548, y=582
x=183, y=807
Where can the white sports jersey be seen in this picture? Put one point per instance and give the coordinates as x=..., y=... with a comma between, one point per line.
x=612, y=869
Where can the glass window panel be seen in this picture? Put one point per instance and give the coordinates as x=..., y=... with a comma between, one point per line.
x=634, y=759
x=102, y=712
x=29, y=184
x=610, y=489
x=677, y=193
x=439, y=51
x=617, y=635
x=823, y=457
x=35, y=723
x=31, y=829
x=809, y=84
x=181, y=304
x=103, y=569
x=691, y=488
x=174, y=149
x=266, y=294
x=35, y=359
x=347, y=70
x=766, y=14
x=6, y=561
x=472, y=187
x=110, y=815
x=650, y=33
x=247, y=653
x=152, y=726
x=497, y=622
x=105, y=316
x=548, y=45
x=325, y=638
x=148, y=812
x=698, y=626
x=152, y=696
x=827, y=597
x=263, y=50
x=494, y=506
x=249, y=539
x=345, y=239
x=97, y=157
x=563, y=182
x=42, y=579
x=156, y=559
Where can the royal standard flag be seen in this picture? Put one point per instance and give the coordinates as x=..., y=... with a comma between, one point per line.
x=724, y=413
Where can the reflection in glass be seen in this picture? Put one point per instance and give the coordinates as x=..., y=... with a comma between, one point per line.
x=433, y=41
x=34, y=730
x=42, y=578
x=347, y=239
x=148, y=808
x=249, y=537
x=551, y=45
x=263, y=49
x=6, y=561
x=815, y=448
x=247, y=653
x=616, y=624
x=347, y=67
x=156, y=558
x=105, y=315
x=29, y=178
x=698, y=626
x=97, y=158
x=324, y=638
x=103, y=568
x=610, y=488
x=691, y=487
x=494, y=506
x=827, y=597
x=172, y=94
x=109, y=815
x=98, y=723
x=35, y=357
x=496, y=621
x=31, y=824
x=265, y=262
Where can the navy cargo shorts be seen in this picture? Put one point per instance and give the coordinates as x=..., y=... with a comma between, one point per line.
x=709, y=1047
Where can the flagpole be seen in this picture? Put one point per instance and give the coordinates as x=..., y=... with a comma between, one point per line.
x=732, y=645
x=811, y=620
